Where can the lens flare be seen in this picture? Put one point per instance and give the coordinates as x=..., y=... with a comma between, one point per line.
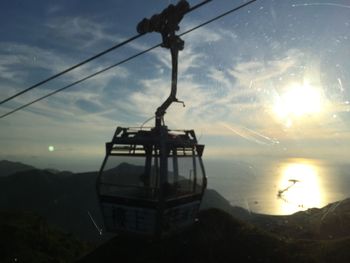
x=51, y=148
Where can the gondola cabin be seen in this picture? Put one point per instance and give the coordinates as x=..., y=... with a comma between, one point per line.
x=151, y=181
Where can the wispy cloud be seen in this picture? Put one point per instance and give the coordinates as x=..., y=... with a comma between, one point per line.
x=16, y=60
x=19, y=67
x=53, y=9
x=231, y=100
x=189, y=59
x=81, y=32
x=260, y=71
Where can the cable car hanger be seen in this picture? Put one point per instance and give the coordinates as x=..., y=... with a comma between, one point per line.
x=167, y=23
x=163, y=195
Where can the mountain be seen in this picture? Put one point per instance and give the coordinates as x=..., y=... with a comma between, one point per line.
x=124, y=173
x=7, y=167
x=63, y=199
x=26, y=237
x=327, y=223
x=212, y=199
x=219, y=237
x=66, y=199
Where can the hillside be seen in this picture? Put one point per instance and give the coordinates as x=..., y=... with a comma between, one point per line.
x=218, y=237
x=26, y=237
x=7, y=167
x=64, y=199
x=327, y=223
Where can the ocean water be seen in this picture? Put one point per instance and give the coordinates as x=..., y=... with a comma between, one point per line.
x=279, y=187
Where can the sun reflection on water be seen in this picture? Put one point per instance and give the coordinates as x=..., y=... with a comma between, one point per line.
x=299, y=187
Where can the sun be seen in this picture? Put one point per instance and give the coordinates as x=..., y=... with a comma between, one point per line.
x=298, y=101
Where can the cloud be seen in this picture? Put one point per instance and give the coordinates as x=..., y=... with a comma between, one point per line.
x=17, y=59
x=53, y=9
x=220, y=77
x=221, y=100
x=236, y=99
x=21, y=60
x=81, y=32
x=88, y=106
x=6, y=61
x=188, y=59
x=202, y=35
x=259, y=71
x=20, y=64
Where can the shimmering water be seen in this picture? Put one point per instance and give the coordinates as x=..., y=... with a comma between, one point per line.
x=279, y=187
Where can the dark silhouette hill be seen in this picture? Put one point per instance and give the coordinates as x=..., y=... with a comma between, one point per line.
x=127, y=174
x=26, y=237
x=7, y=167
x=64, y=199
x=212, y=199
x=218, y=237
x=327, y=223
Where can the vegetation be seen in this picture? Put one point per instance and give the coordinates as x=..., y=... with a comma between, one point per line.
x=218, y=237
x=7, y=167
x=64, y=199
x=26, y=237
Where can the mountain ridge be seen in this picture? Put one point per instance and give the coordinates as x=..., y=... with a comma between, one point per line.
x=65, y=199
x=9, y=167
x=219, y=237
x=26, y=237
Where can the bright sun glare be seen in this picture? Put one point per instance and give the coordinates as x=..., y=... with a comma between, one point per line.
x=298, y=101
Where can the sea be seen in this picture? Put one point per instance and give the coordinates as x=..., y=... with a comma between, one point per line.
x=279, y=187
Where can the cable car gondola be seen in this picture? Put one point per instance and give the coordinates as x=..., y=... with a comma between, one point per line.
x=152, y=181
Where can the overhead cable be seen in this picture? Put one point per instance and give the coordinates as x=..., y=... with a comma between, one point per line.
x=79, y=81
x=125, y=60
x=88, y=60
x=71, y=68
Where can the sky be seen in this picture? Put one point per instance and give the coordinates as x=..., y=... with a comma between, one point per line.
x=269, y=81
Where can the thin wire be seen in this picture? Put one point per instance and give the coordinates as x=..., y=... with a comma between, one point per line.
x=89, y=59
x=143, y=124
x=71, y=68
x=78, y=81
x=218, y=17
x=124, y=61
x=198, y=5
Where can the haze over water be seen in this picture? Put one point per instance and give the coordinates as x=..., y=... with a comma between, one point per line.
x=280, y=187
